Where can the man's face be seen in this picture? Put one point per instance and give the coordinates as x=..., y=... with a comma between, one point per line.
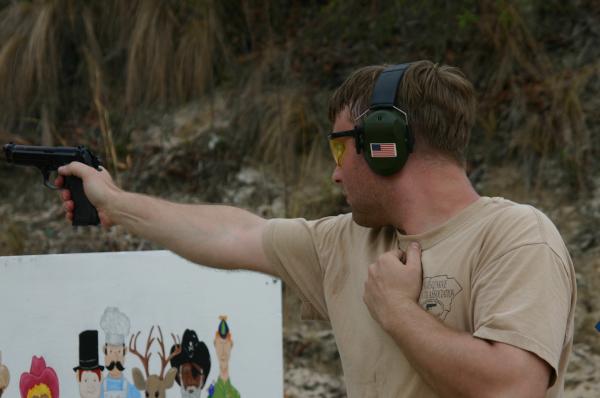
x=223, y=349
x=89, y=386
x=114, y=358
x=362, y=188
x=192, y=377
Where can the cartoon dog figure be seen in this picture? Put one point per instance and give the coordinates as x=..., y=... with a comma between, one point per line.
x=4, y=376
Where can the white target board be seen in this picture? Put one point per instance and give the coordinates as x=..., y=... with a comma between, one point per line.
x=115, y=325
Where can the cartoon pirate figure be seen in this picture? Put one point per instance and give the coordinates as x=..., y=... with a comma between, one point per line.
x=223, y=345
x=116, y=328
x=192, y=364
x=4, y=376
x=89, y=372
x=40, y=382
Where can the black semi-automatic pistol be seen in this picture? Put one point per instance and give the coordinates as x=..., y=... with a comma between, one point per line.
x=48, y=159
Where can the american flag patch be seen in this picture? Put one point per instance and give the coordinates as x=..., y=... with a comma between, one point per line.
x=379, y=150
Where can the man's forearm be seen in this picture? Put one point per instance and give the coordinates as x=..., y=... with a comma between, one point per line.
x=456, y=364
x=212, y=235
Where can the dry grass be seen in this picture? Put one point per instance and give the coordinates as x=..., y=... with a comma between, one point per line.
x=172, y=51
x=150, y=55
x=546, y=118
x=29, y=58
x=93, y=60
x=129, y=55
x=287, y=121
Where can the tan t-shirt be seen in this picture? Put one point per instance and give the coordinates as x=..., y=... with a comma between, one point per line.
x=498, y=270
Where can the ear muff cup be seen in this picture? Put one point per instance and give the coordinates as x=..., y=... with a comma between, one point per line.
x=385, y=133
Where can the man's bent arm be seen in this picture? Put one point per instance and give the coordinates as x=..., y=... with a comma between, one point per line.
x=457, y=364
x=211, y=235
x=453, y=363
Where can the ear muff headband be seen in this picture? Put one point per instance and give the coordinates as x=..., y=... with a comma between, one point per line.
x=386, y=87
x=384, y=136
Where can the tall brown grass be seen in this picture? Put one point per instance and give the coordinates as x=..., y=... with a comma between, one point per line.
x=547, y=117
x=29, y=60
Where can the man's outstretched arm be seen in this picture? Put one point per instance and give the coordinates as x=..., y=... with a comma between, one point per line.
x=212, y=235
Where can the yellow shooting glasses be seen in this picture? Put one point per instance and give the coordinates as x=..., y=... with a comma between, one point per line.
x=337, y=145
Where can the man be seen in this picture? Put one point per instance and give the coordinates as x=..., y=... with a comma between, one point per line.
x=431, y=290
x=89, y=372
x=192, y=364
x=223, y=345
x=115, y=325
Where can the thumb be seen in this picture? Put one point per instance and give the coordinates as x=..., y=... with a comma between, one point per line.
x=413, y=255
x=76, y=169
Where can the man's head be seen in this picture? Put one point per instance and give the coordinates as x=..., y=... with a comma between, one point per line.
x=439, y=101
x=89, y=372
x=440, y=106
x=116, y=327
x=192, y=363
x=114, y=358
x=89, y=382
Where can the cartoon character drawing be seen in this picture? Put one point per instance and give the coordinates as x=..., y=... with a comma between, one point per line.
x=89, y=372
x=115, y=325
x=192, y=364
x=154, y=385
x=4, y=376
x=223, y=345
x=40, y=382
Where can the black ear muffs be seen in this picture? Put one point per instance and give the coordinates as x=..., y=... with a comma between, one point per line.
x=384, y=136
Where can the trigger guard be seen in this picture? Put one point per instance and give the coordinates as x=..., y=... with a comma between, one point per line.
x=46, y=176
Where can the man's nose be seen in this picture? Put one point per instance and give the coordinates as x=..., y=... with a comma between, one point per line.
x=336, y=176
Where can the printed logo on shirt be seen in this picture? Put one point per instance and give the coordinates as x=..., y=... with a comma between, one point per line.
x=437, y=294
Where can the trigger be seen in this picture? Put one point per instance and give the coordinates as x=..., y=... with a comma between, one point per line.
x=46, y=175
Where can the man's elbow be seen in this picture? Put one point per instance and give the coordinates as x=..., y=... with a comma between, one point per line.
x=515, y=382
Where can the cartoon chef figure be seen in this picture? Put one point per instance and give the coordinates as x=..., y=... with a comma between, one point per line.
x=116, y=328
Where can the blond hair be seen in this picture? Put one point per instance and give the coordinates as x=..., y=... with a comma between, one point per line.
x=439, y=100
x=39, y=390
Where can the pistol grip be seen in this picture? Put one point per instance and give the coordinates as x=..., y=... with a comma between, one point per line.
x=84, y=212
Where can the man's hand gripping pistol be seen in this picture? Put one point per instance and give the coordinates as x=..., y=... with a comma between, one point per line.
x=49, y=159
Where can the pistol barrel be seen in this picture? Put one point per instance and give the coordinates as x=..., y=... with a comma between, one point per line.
x=50, y=158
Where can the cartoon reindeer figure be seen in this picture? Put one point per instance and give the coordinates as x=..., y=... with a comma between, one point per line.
x=154, y=385
x=4, y=376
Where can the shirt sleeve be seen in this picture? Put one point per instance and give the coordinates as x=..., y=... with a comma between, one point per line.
x=523, y=299
x=291, y=247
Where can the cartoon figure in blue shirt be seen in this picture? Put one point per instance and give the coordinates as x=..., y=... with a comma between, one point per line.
x=116, y=328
